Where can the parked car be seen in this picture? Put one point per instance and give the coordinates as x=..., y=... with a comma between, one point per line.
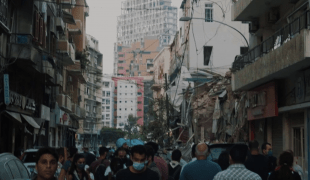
x=29, y=160
x=12, y=168
x=216, y=150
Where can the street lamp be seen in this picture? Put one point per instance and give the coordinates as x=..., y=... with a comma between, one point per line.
x=189, y=18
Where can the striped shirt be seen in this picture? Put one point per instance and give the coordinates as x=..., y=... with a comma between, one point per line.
x=237, y=172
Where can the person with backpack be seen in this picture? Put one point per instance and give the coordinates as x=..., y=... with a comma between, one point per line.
x=174, y=166
x=99, y=167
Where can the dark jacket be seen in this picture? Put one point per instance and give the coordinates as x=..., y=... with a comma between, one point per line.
x=35, y=178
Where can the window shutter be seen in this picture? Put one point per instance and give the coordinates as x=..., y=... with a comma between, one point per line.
x=37, y=26
x=44, y=36
x=41, y=31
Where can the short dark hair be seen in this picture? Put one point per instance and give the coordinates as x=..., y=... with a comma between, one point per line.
x=176, y=155
x=150, y=151
x=139, y=149
x=43, y=151
x=103, y=150
x=194, y=150
x=238, y=153
x=73, y=163
x=60, y=152
x=154, y=146
x=253, y=145
x=223, y=160
x=72, y=151
x=264, y=145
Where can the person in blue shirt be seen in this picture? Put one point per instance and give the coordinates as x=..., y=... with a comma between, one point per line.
x=201, y=168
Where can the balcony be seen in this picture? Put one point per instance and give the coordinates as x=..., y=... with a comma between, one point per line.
x=83, y=112
x=76, y=29
x=247, y=10
x=68, y=4
x=59, y=79
x=64, y=102
x=287, y=51
x=76, y=111
x=60, y=25
x=4, y=9
x=47, y=68
x=76, y=70
x=67, y=52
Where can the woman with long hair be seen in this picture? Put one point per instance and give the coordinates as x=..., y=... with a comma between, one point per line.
x=77, y=169
x=285, y=169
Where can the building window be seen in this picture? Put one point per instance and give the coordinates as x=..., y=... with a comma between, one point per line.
x=103, y=116
x=106, y=84
x=120, y=86
x=103, y=108
x=243, y=50
x=139, y=73
x=103, y=93
x=120, y=94
x=299, y=142
x=108, y=117
x=108, y=108
x=125, y=86
x=209, y=12
x=125, y=101
x=131, y=86
x=139, y=94
x=107, y=123
x=139, y=102
x=108, y=101
x=120, y=109
x=207, y=51
x=131, y=93
x=115, y=87
x=87, y=108
x=103, y=101
x=120, y=101
x=108, y=93
x=126, y=94
x=125, y=109
x=94, y=109
x=115, y=102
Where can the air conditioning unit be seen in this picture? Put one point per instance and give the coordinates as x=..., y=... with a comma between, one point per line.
x=69, y=78
x=253, y=26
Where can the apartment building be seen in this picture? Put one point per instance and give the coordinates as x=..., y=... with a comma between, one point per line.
x=93, y=95
x=107, y=102
x=276, y=72
x=141, y=18
x=137, y=59
x=42, y=103
x=128, y=99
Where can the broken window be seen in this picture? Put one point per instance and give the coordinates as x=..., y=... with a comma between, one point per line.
x=207, y=51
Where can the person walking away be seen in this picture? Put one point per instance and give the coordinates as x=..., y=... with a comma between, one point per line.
x=193, y=156
x=201, y=168
x=267, y=152
x=115, y=166
x=99, y=167
x=61, y=161
x=138, y=171
x=122, y=154
x=296, y=167
x=121, y=142
x=150, y=160
x=89, y=157
x=223, y=160
x=174, y=166
x=65, y=168
x=237, y=170
x=77, y=169
x=46, y=164
x=160, y=162
x=257, y=162
x=285, y=169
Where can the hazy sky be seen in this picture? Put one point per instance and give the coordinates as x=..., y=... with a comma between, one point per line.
x=101, y=24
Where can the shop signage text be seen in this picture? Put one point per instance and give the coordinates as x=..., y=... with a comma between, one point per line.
x=22, y=101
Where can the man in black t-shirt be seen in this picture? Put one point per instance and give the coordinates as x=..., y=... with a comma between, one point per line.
x=256, y=162
x=138, y=171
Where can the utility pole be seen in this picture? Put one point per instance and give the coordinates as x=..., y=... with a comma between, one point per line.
x=167, y=104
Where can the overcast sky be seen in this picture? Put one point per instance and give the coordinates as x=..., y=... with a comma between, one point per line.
x=101, y=24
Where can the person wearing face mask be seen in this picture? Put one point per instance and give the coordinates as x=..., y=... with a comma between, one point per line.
x=77, y=169
x=272, y=161
x=138, y=171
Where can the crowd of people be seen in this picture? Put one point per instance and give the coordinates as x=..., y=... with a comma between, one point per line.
x=142, y=162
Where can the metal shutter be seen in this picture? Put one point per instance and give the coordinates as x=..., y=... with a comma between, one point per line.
x=277, y=136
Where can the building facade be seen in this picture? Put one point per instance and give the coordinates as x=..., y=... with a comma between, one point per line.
x=276, y=71
x=141, y=18
x=42, y=103
x=128, y=99
x=107, y=102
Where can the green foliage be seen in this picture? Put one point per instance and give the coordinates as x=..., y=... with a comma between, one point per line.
x=111, y=134
x=132, y=128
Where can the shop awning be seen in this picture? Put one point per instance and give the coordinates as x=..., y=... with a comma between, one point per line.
x=31, y=121
x=68, y=17
x=14, y=115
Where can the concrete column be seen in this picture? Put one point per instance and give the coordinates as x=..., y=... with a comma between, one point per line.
x=307, y=144
x=13, y=140
x=56, y=137
x=286, y=131
x=269, y=130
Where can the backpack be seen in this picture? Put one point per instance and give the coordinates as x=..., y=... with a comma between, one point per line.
x=176, y=174
x=99, y=172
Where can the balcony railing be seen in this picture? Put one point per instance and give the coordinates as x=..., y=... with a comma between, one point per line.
x=4, y=7
x=282, y=36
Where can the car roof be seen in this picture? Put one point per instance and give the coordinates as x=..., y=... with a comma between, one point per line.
x=31, y=150
x=8, y=169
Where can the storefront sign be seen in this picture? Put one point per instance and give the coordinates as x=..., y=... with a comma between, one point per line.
x=6, y=89
x=22, y=101
x=263, y=102
x=45, y=113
